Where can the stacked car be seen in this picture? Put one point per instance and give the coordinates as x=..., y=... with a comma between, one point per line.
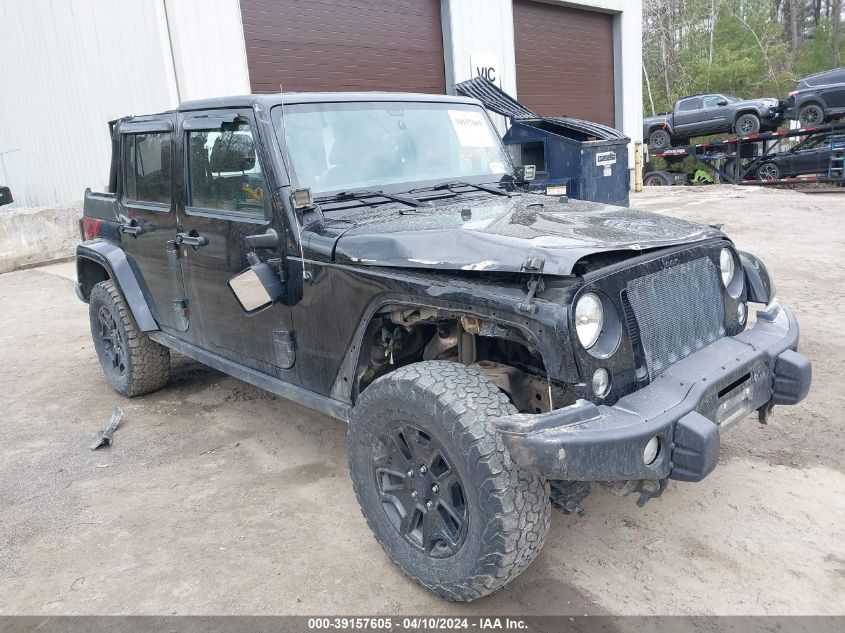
x=817, y=102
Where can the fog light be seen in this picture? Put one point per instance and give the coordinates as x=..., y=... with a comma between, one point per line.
x=601, y=382
x=651, y=450
x=741, y=312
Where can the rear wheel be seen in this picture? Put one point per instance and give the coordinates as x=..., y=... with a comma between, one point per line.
x=768, y=171
x=436, y=484
x=655, y=180
x=811, y=115
x=659, y=139
x=747, y=124
x=133, y=363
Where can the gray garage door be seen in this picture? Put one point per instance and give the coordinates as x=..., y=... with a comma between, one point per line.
x=333, y=45
x=564, y=61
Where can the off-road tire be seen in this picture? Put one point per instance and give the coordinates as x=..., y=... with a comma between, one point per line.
x=146, y=363
x=811, y=115
x=659, y=139
x=508, y=509
x=747, y=124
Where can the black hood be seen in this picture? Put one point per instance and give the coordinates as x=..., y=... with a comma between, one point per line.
x=495, y=233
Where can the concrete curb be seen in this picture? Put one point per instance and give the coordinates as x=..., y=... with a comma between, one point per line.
x=31, y=237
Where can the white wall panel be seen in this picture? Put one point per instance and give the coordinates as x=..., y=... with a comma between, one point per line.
x=70, y=66
x=208, y=48
x=67, y=68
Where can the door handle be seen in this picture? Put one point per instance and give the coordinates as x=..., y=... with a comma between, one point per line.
x=191, y=239
x=129, y=226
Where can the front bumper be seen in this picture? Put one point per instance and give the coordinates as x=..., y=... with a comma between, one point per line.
x=686, y=408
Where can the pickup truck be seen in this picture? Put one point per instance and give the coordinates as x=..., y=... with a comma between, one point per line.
x=376, y=257
x=711, y=113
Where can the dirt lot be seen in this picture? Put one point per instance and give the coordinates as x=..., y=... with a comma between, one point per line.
x=218, y=498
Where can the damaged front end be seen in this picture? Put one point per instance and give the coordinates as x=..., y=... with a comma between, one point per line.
x=681, y=367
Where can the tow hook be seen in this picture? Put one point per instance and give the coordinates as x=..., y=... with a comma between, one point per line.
x=648, y=489
x=533, y=265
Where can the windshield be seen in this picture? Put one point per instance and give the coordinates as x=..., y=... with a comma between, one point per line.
x=395, y=145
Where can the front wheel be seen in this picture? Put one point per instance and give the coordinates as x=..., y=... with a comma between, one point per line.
x=768, y=171
x=436, y=484
x=747, y=124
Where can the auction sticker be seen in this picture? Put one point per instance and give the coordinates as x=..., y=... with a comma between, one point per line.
x=472, y=129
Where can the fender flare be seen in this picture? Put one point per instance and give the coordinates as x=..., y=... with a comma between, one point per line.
x=660, y=126
x=749, y=110
x=119, y=268
x=760, y=287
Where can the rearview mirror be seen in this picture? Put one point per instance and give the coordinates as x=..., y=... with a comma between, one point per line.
x=5, y=196
x=722, y=102
x=258, y=286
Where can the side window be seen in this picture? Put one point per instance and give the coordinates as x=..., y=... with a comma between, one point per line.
x=712, y=101
x=147, y=167
x=688, y=104
x=224, y=172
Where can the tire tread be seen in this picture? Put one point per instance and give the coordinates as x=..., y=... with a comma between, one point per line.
x=463, y=398
x=148, y=362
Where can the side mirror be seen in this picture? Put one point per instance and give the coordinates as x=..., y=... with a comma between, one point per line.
x=722, y=102
x=6, y=196
x=258, y=286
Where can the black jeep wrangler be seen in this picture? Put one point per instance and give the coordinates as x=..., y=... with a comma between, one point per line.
x=373, y=256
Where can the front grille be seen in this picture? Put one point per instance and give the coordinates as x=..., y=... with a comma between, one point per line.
x=679, y=310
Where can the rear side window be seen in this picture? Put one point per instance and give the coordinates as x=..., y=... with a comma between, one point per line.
x=688, y=104
x=147, y=167
x=224, y=171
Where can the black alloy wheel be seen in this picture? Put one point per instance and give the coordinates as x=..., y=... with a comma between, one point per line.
x=113, y=344
x=659, y=140
x=768, y=171
x=747, y=124
x=421, y=493
x=811, y=115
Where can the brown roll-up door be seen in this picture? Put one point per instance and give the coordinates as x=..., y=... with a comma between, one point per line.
x=564, y=61
x=337, y=45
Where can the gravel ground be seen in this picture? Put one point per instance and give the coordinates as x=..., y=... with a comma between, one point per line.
x=218, y=498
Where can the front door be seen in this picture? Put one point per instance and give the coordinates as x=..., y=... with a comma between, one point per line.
x=226, y=198
x=714, y=116
x=148, y=213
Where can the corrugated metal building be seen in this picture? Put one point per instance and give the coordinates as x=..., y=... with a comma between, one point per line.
x=69, y=67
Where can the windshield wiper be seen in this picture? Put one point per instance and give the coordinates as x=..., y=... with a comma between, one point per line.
x=358, y=195
x=460, y=183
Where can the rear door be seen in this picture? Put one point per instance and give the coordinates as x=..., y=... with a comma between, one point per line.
x=226, y=197
x=834, y=94
x=814, y=157
x=687, y=117
x=148, y=212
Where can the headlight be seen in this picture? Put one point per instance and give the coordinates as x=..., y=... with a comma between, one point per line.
x=727, y=265
x=589, y=318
